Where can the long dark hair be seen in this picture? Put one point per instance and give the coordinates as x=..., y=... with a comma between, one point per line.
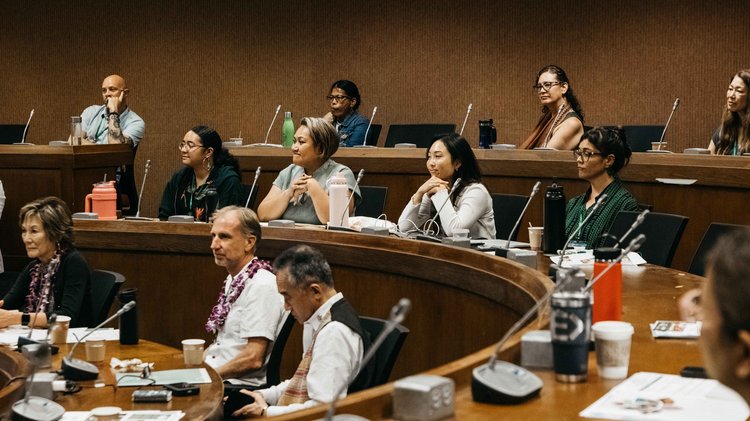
x=350, y=88
x=569, y=95
x=733, y=124
x=210, y=139
x=461, y=151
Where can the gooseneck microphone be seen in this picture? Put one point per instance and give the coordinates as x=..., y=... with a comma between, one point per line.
x=138, y=216
x=664, y=132
x=534, y=191
x=468, y=111
x=602, y=198
x=351, y=196
x=25, y=129
x=505, y=382
x=638, y=221
x=78, y=370
x=398, y=314
x=448, y=199
x=252, y=187
x=367, y=131
x=276, y=114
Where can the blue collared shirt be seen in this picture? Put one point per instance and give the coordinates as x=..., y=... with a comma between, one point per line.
x=94, y=122
x=352, y=129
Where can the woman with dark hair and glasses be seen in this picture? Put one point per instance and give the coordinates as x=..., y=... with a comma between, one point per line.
x=343, y=103
x=209, y=180
x=448, y=159
x=733, y=136
x=58, y=279
x=561, y=123
x=600, y=156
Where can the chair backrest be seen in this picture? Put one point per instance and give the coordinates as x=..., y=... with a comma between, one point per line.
x=385, y=357
x=421, y=135
x=7, y=279
x=11, y=133
x=273, y=368
x=247, y=193
x=507, y=209
x=640, y=137
x=373, y=201
x=713, y=233
x=104, y=287
x=374, y=134
x=662, y=230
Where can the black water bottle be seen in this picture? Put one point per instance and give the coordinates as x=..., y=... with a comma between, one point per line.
x=129, y=320
x=554, y=218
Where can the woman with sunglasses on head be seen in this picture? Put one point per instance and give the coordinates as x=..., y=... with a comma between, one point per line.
x=209, y=180
x=733, y=136
x=470, y=204
x=600, y=156
x=300, y=192
x=561, y=124
x=343, y=103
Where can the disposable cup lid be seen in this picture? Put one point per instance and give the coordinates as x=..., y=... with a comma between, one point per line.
x=612, y=330
x=193, y=342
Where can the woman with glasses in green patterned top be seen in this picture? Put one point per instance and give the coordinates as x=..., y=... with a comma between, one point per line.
x=600, y=156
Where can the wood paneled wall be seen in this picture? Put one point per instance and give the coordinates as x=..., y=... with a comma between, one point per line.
x=229, y=63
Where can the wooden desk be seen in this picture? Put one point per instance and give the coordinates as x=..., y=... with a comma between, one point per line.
x=720, y=194
x=463, y=302
x=206, y=405
x=68, y=172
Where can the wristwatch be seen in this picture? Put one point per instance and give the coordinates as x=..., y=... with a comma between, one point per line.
x=25, y=319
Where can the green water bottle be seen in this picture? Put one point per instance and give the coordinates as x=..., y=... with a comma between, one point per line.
x=287, y=131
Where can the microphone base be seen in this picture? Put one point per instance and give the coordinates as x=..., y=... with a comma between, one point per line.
x=506, y=384
x=24, y=340
x=37, y=409
x=78, y=370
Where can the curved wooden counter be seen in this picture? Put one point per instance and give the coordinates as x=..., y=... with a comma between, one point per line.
x=720, y=194
x=462, y=299
x=206, y=405
x=463, y=302
x=13, y=369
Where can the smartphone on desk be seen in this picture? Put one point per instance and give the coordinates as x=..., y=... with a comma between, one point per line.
x=183, y=389
x=236, y=400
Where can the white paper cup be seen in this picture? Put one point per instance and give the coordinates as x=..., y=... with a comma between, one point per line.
x=535, y=237
x=58, y=332
x=106, y=413
x=95, y=349
x=613, y=340
x=192, y=350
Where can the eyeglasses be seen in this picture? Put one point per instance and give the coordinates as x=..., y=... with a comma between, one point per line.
x=585, y=154
x=189, y=145
x=337, y=98
x=546, y=86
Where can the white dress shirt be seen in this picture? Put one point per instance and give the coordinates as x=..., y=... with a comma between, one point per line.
x=337, y=353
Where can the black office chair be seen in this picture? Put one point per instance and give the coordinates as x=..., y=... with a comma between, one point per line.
x=712, y=235
x=12, y=133
x=507, y=209
x=421, y=135
x=247, y=193
x=104, y=287
x=273, y=368
x=373, y=201
x=662, y=230
x=385, y=358
x=374, y=134
x=7, y=279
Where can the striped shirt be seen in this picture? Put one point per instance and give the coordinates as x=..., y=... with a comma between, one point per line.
x=618, y=199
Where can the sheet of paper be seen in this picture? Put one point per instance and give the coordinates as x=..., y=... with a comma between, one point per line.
x=675, y=329
x=586, y=257
x=128, y=415
x=655, y=396
x=158, y=378
x=9, y=336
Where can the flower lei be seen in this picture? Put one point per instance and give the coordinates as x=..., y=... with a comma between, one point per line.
x=41, y=283
x=220, y=311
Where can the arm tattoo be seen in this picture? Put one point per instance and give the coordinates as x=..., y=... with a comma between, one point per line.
x=115, y=133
